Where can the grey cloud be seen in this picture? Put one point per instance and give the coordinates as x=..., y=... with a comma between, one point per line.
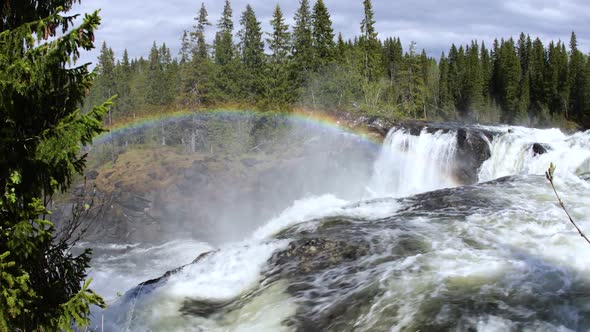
x=434, y=25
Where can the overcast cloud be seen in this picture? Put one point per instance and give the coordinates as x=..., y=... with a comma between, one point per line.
x=432, y=24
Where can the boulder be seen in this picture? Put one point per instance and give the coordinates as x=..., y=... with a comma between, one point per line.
x=539, y=149
x=310, y=255
x=473, y=145
x=92, y=175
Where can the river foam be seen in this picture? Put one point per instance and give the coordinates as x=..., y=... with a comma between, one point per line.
x=494, y=256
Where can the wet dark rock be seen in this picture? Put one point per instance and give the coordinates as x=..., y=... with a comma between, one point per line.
x=250, y=162
x=539, y=149
x=201, y=256
x=473, y=142
x=202, y=308
x=380, y=126
x=148, y=286
x=309, y=255
x=473, y=145
x=133, y=202
x=92, y=175
x=456, y=202
x=472, y=150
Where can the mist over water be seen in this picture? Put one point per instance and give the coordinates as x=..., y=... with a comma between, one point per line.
x=413, y=164
x=343, y=235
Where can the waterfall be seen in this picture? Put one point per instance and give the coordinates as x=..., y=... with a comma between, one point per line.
x=411, y=164
x=513, y=153
x=488, y=257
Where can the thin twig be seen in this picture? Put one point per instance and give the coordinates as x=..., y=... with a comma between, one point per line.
x=549, y=175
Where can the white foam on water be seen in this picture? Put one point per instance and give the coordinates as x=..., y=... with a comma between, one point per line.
x=218, y=278
x=224, y=274
x=263, y=312
x=114, y=273
x=301, y=211
x=513, y=251
x=325, y=206
x=512, y=153
x=410, y=164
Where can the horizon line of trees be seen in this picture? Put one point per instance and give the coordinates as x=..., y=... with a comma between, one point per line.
x=514, y=81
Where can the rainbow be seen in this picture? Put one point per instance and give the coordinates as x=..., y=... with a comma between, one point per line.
x=313, y=119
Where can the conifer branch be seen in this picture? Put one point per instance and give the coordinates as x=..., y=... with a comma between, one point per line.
x=549, y=175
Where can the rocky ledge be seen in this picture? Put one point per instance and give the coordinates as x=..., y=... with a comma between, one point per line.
x=473, y=141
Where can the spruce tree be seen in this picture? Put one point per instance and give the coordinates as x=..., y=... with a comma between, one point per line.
x=166, y=83
x=576, y=79
x=195, y=75
x=538, y=90
x=279, y=41
x=370, y=44
x=413, y=87
x=186, y=47
x=509, y=66
x=473, y=81
x=278, y=89
x=201, y=50
x=486, y=73
x=456, y=76
x=323, y=35
x=251, y=55
x=42, y=283
x=155, y=75
x=495, y=71
x=302, y=42
x=105, y=85
x=125, y=103
x=341, y=49
x=563, y=81
x=225, y=70
x=524, y=48
x=125, y=62
x=585, y=119
x=224, y=47
x=446, y=102
x=552, y=79
x=251, y=45
x=392, y=59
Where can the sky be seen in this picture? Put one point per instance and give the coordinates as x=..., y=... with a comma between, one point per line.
x=433, y=24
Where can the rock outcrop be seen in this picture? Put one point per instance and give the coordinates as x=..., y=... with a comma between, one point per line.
x=473, y=142
x=539, y=149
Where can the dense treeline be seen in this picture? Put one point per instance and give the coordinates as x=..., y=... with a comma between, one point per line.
x=307, y=65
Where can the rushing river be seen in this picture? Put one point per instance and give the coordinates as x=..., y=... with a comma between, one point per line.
x=413, y=252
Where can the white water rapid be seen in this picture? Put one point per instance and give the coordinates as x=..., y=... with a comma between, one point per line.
x=411, y=164
x=405, y=256
x=512, y=153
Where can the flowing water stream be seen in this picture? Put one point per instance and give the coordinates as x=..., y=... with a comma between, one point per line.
x=414, y=252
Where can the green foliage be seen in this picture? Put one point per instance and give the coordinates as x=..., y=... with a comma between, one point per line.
x=323, y=35
x=201, y=49
x=251, y=45
x=370, y=44
x=279, y=43
x=302, y=62
x=40, y=139
x=413, y=92
x=277, y=90
x=224, y=47
x=519, y=81
x=251, y=56
x=161, y=76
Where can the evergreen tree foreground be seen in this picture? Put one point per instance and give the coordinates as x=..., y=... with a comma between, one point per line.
x=43, y=285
